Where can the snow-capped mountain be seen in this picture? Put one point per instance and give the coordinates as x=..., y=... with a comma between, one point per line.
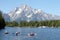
x=27, y=13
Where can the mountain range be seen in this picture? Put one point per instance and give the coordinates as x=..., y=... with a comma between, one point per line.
x=27, y=13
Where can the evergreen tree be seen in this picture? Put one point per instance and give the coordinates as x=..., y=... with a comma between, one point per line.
x=2, y=22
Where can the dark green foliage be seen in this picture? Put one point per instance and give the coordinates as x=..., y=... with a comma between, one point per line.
x=51, y=23
x=11, y=23
x=2, y=22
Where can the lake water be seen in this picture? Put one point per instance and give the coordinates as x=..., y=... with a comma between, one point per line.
x=41, y=33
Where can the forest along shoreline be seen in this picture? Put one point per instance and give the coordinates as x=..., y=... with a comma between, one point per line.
x=50, y=23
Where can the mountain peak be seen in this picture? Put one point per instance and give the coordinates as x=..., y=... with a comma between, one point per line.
x=24, y=6
x=26, y=13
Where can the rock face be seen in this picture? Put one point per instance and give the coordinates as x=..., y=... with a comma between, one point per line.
x=2, y=21
x=27, y=13
x=6, y=17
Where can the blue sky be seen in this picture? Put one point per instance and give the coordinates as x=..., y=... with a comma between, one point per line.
x=49, y=6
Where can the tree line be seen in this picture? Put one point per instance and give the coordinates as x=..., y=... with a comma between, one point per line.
x=50, y=23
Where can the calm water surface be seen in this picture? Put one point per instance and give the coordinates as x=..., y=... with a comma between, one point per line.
x=41, y=33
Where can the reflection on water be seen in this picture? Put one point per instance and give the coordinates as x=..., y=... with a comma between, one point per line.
x=41, y=33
